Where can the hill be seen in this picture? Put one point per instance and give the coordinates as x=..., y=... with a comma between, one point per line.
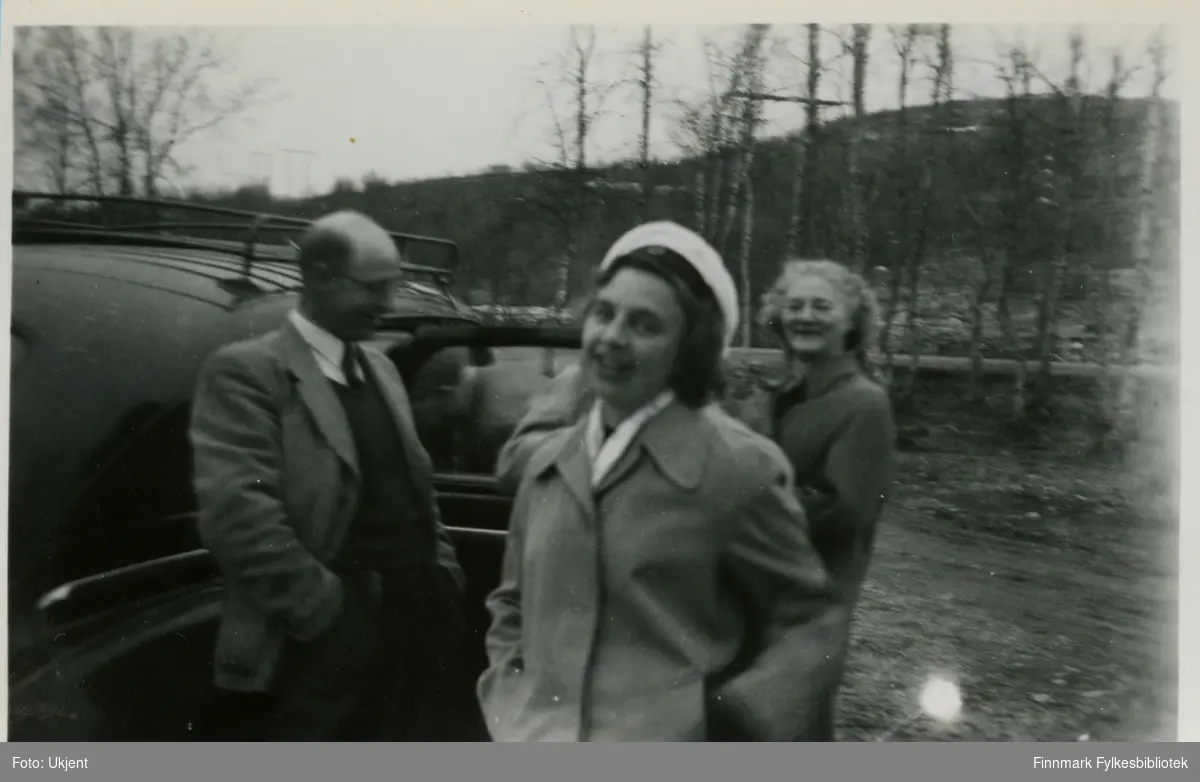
x=507, y=226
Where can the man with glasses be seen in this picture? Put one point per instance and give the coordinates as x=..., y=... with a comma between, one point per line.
x=343, y=608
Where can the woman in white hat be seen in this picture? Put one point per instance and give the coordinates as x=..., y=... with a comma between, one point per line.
x=658, y=583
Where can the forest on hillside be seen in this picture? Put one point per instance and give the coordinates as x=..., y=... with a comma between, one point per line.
x=1031, y=225
x=509, y=227
x=1041, y=225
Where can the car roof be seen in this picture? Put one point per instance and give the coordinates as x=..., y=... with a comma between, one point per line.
x=110, y=338
x=220, y=278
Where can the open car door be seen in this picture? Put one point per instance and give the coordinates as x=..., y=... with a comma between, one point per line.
x=470, y=385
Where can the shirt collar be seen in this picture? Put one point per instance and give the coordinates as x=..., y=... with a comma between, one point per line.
x=605, y=453
x=320, y=340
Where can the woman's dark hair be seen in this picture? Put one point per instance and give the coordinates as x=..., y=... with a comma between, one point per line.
x=698, y=375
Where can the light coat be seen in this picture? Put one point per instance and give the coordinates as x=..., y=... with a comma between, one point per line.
x=679, y=601
x=277, y=481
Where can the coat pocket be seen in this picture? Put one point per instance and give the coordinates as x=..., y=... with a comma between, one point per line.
x=671, y=712
x=248, y=644
x=503, y=692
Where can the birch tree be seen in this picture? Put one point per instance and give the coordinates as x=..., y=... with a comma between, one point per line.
x=904, y=40
x=567, y=193
x=1016, y=73
x=1147, y=240
x=747, y=319
x=712, y=129
x=646, y=83
x=45, y=137
x=691, y=133
x=806, y=149
x=984, y=219
x=702, y=131
x=749, y=65
x=859, y=230
x=940, y=94
x=1111, y=182
x=118, y=104
x=751, y=118
x=1059, y=184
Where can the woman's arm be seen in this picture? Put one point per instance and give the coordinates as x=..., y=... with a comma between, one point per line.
x=558, y=406
x=843, y=506
x=795, y=616
x=503, y=639
x=504, y=604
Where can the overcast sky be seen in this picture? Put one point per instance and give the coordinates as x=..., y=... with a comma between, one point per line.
x=413, y=102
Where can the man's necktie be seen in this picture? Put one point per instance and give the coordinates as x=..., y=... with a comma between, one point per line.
x=351, y=365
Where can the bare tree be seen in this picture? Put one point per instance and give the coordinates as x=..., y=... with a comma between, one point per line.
x=44, y=143
x=747, y=318
x=1058, y=183
x=1147, y=240
x=569, y=188
x=940, y=95
x=754, y=64
x=984, y=218
x=697, y=133
x=806, y=145
x=1111, y=181
x=722, y=155
x=985, y=212
x=750, y=65
x=904, y=41
x=707, y=129
x=646, y=83
x=121, y=103
x=1016, y=73
x=860, y=236
x=713, y=130
x=583, y=46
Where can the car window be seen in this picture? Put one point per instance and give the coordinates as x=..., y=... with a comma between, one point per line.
x=467, y=405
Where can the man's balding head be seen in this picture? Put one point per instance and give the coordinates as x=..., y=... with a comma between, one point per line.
x=350, y=265
x=351, y=244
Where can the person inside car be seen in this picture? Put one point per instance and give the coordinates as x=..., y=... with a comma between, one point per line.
x=343, y=606
x=658, y=582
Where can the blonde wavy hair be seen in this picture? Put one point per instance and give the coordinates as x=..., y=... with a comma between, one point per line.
x=859, y=297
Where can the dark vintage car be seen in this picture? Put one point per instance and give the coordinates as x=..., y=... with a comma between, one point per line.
x=113, y=600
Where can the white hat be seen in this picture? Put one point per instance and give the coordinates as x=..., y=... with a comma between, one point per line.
x=692, y=247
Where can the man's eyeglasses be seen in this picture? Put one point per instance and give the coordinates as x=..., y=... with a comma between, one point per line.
x=385, y=287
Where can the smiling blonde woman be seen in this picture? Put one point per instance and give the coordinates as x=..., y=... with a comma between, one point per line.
x=831, y=418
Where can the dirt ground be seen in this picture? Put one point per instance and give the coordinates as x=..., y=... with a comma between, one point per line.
x=1034, y=584
x=1038, y=576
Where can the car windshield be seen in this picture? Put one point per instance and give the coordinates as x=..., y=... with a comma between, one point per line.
x=404, y=293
